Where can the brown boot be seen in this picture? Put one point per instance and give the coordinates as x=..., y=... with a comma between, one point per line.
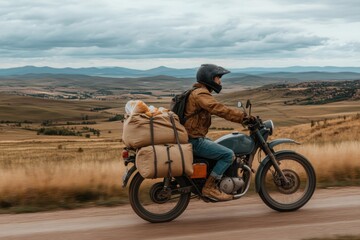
x=210, y=190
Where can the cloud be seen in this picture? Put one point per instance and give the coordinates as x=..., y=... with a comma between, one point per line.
x=320, y=10
x=164, y=29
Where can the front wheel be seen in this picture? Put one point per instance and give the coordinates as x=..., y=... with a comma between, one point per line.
x=155, y=204
x=290, y=196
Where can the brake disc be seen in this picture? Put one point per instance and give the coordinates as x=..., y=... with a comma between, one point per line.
x=293, y=185
x=158, y=194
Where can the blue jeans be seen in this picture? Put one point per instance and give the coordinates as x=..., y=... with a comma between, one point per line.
x=203, y=147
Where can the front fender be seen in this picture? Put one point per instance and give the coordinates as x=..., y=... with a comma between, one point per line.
x=127, y=175
x=272, y=144
x=262, y=165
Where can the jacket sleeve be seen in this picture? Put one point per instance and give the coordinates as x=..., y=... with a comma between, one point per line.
x=210, y=104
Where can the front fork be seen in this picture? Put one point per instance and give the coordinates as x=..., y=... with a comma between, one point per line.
x=269, y=152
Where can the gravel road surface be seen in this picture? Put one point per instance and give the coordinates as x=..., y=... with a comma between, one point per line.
x=330, y=212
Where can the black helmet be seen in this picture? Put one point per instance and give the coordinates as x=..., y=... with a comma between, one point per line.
x=207, y=73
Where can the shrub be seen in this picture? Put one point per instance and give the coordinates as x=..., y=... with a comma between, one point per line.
x=93, y=130
x=57, y=131
x=46, y=123
x=312, y=123
x=117, y=117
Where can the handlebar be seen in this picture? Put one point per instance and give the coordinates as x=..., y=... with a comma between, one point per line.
x=253, y=123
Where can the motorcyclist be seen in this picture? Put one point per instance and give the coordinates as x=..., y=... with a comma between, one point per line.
x=199, y=108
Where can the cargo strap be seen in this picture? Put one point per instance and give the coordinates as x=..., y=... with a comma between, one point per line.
x=169, y=161
x=178, y=142
x=153, y=144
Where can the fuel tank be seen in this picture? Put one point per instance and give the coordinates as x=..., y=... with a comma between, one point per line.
x=238, y=142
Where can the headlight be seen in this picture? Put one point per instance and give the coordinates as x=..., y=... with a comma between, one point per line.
x=269, y=125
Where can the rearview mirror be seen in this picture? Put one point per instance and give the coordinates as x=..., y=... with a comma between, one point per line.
x=239, y=105
x=248, y=103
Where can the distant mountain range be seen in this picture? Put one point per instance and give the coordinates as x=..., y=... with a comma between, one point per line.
x=295, y=72
x=105, y=71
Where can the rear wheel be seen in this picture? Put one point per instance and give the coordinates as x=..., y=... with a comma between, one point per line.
x=282, y=196
x=155, y=204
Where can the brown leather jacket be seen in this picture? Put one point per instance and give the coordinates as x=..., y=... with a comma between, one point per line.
x=201, y=99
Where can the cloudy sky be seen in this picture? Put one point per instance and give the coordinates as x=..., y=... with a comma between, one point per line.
x=145, y=34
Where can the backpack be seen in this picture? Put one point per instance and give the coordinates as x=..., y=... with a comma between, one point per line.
x=178, y=105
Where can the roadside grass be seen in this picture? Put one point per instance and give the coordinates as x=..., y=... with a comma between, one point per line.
x=336, y=164
x=40, y=176
x=37, y=178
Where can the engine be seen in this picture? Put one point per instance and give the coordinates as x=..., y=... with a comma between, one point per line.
x=231, y=185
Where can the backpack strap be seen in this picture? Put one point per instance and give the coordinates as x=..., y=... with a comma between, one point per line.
x=197, y=111
x=193, y=114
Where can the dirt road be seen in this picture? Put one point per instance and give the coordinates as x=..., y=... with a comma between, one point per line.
x=330, y=212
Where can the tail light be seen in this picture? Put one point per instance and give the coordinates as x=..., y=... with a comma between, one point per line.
x=125, y=154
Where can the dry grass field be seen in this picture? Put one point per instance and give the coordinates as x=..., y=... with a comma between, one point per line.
x=40, y=172
x=52, y=174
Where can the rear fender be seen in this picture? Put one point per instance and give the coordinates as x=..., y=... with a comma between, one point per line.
x=127, y=175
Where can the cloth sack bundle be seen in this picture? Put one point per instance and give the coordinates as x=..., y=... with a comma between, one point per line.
x=161, y=141
x=138, y=127
x=160, y=161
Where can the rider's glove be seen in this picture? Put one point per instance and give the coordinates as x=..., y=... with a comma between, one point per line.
x=248, y=120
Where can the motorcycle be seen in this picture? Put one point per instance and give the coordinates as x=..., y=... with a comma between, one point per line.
x=284, y=180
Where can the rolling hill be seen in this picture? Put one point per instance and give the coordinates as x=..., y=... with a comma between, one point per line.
x=181, y=73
